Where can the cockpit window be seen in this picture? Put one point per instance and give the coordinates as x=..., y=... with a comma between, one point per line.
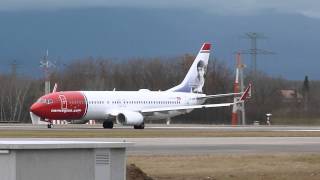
x=45, y=101
x=41, y=100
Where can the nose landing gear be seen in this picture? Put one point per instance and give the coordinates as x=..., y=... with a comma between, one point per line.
x=50, y=125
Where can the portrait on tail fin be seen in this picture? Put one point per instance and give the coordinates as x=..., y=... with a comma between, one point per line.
x=195, y=78
x=200, y=78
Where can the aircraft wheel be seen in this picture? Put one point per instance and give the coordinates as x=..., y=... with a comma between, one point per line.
x=50, y=125
x=108, y=124
x=141, y=126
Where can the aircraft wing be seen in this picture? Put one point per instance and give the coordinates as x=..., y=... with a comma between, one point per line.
x=176, y=108
x=244, y=95
x=219, y=95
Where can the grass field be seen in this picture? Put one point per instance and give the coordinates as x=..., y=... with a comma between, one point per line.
x=150, y=133
x=296, y=121
x=230, y=167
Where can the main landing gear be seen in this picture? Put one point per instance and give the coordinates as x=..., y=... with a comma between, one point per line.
x=141, y=126
x=108, y=124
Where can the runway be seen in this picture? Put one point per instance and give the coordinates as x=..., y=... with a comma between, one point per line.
x=203, y=146
x=191, y=145
x=190, y=127
x=235, y=145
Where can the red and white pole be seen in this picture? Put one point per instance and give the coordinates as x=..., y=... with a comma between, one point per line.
x=236, y=89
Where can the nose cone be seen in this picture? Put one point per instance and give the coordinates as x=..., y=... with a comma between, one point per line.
x=36, y=109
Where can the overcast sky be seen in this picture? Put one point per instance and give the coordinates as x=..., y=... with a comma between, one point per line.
x=309, y=8
x=75, y=29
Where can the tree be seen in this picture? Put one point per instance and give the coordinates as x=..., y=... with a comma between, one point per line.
x=305, y=93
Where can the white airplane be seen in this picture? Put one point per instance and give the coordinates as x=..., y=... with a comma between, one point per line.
x=131, y=107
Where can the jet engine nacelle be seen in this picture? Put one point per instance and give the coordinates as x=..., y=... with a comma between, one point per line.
x=130, y=118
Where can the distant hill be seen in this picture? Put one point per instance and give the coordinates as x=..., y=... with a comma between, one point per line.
x=132, y=32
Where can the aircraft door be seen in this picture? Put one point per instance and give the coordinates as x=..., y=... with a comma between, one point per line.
x=63, y=100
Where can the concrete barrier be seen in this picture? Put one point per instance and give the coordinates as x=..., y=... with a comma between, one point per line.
x=72, y=160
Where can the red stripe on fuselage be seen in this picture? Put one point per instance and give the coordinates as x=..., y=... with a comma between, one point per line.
x=64, y=106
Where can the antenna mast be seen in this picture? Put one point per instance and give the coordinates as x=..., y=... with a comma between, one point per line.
x=254, y=51
x=46, y=65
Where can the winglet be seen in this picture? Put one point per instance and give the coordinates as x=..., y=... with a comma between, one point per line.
x=55, y=88
x=246, y=94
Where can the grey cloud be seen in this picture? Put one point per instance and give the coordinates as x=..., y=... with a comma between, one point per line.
x=310, y=8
